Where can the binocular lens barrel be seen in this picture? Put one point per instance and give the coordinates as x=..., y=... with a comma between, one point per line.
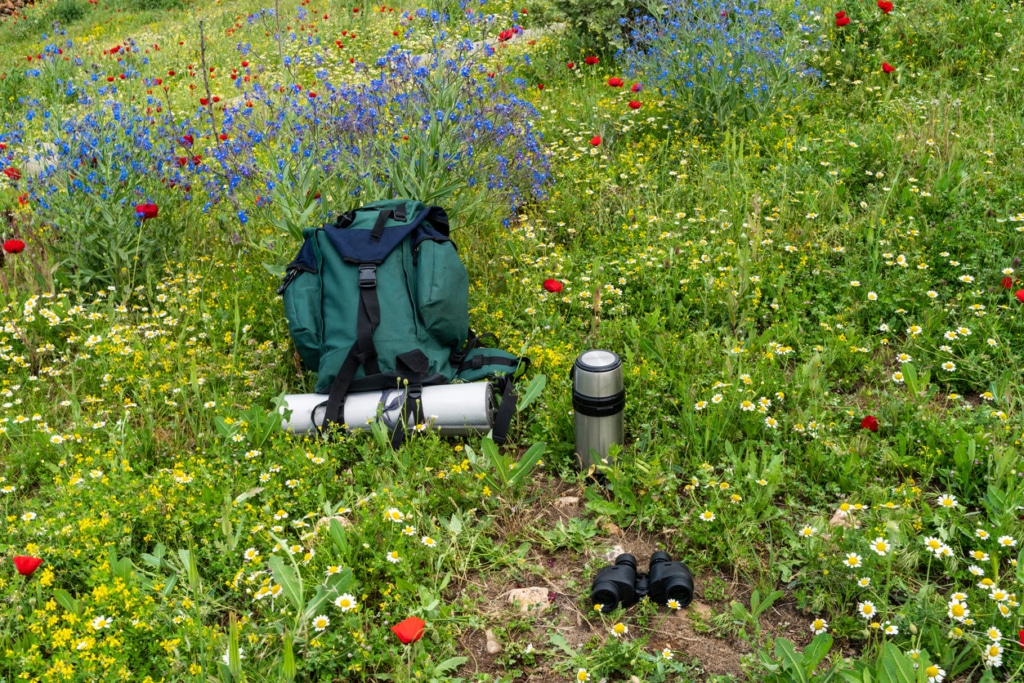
x=680, y=589
x=605, y=593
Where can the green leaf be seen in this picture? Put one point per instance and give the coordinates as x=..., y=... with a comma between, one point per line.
x=288, y=665
x=449, y=665
x=895, y=667
x=496, y=459
x=335, y=585
x=816, y=651
x=525, y=466
x=188, y=562
x=339, y=537
x=242, y=497
x=532, y=392
x=157, y=558
x=285, y=575
x=65, y=600
x=792, y=661
x=559, y=641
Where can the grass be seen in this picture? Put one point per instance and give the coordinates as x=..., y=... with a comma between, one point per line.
x=769, y=284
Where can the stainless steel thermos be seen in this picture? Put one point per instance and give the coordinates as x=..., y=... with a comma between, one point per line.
x=598, y=401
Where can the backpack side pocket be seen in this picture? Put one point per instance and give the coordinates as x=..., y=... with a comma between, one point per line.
x=442, y=292
x=301, y=291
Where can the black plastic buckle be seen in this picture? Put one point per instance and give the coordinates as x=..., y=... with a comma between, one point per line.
x=367, y=276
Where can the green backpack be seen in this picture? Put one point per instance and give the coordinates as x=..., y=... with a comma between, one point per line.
x=380, y=297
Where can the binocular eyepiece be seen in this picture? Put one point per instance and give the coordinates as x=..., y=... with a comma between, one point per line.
x=620, y=584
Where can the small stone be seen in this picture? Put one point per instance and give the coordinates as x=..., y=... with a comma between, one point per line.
x=613, y=553
x=612, y=529
x=698, y=608
x=325, y=521
x=493, y=646
x=844, y=519
x=566, y=502
x=534, y=599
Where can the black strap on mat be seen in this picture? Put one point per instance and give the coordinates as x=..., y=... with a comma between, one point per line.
x=507, y=409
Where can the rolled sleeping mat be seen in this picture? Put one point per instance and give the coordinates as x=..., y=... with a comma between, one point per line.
x=451, y=409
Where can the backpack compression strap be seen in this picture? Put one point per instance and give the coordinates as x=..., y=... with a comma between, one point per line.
x=363, y=352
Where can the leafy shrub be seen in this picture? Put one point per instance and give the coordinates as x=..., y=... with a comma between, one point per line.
x=153, y=5
x=598, y=22
x=67, y=12
x=724, y=62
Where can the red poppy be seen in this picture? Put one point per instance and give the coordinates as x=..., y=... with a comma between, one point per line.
x=540, y=86
x=1007, y=282
x=203, y=101
x=14, y=246
x=887, y=67
x=615, y=82
x=187, y=140
x=885, y=6
x=182, y=161
x=636, y=87
x=222, y=137
x=553, y=285
x=12, y=173
x=842, y=19
x=591, y=61
x=505, y=35
x=26, y=564
x=245, y=64
x=596, y=140
x=355, y=10
x=870, y=423
x=146, y=211
x=571, y=65
x=409, y=630
x=1020, y=637
x=1020, y=295
x=633, y=104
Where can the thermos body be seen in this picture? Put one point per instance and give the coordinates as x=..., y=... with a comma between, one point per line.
x=598, y=402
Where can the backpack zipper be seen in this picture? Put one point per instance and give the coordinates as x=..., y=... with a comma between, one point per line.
x=292, y=273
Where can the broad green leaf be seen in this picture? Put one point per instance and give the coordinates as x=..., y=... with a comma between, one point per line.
x=288, y=665
x=449, y=665
x=525, y=466
x=285, y=575
x=791, y=660
x=335, y=585
x=496, y=459
x=339, y=537
x=532, y=392
x=816, y=651
x=242, y=497
x=895, y=667
x=65, y=600
x=559, y=641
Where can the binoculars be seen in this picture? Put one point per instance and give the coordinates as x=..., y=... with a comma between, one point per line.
x=620, y=584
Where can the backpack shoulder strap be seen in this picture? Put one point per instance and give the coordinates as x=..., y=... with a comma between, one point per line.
x=363, y=352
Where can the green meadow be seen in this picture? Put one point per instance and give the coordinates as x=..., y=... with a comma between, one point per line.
x=800, y=226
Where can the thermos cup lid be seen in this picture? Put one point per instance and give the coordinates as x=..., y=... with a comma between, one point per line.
x=598, y=360
x=597, y=374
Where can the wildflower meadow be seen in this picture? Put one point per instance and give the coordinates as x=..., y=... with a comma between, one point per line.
x=800, y=225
